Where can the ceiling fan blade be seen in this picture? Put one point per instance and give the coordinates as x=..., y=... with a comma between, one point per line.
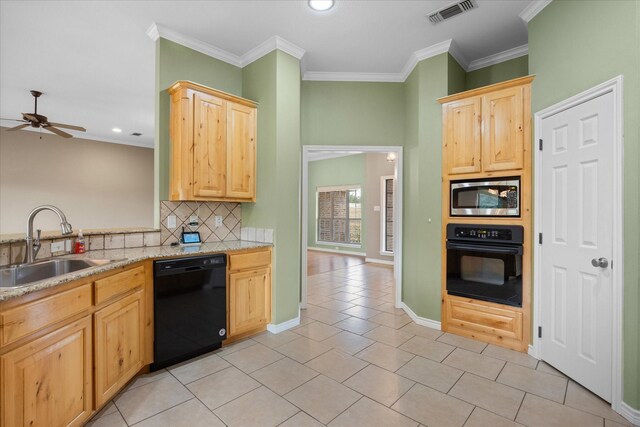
x=14, y=120
x=18, y=127
x=58, y=132
x=72, y=127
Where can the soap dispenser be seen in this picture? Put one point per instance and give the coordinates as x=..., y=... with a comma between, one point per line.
x=80, y=247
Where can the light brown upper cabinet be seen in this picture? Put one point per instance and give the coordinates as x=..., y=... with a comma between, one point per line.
x=483, y=129
x=462, y=135
x=213, y=145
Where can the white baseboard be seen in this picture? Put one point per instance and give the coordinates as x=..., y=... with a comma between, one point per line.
x=533, y=351
x=336, y=251
x=633, y=415
x=422, y=321
x=378, y=261
x=281, y=327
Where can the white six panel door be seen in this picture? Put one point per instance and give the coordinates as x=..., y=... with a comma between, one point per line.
x=577, y=227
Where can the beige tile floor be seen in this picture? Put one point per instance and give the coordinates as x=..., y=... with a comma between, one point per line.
x=355, y=360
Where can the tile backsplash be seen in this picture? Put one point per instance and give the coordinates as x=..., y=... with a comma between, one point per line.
x=13, y=252
x=230, y=213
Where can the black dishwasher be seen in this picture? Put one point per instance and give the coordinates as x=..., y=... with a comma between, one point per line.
x=190, y=302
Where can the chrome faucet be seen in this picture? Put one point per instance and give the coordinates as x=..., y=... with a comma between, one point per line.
x=33, y=246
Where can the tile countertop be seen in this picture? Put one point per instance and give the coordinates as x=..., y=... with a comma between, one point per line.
x=126, y=257
x=55, y=234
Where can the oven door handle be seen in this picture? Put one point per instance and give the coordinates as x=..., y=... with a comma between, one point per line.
x=485, y=248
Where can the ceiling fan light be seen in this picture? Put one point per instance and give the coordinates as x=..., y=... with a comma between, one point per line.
x=321, y=5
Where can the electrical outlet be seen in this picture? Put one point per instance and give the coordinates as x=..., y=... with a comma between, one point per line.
x=67, y=245
x=193, y=218
x=218, y=221
x=171, y=221
x=57, y=246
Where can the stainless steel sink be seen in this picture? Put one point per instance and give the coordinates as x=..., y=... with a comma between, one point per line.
x=21, y=275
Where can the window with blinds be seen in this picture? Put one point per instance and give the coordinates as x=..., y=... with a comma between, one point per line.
x=340, y=216
x=387, y=186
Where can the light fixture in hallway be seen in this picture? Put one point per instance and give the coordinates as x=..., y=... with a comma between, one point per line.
x=321, y=5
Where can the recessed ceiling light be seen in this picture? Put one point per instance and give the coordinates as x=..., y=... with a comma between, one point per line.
x=117, y=130
x=321, y=5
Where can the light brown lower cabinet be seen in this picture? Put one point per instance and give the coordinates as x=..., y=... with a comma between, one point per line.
x=486, y=322
x=248, y=293
x=68, y=351
x=48, y=381
x=249, y=300
x=119, y=348
x=65, y=352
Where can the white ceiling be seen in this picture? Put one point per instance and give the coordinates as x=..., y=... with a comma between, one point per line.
x=96, y=65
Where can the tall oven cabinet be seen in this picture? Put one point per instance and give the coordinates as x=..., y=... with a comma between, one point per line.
x=487, y=136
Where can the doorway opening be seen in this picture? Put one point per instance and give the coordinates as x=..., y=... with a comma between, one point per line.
x=348, y=218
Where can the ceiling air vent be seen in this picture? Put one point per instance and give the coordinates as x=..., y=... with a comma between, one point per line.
x=451, y=11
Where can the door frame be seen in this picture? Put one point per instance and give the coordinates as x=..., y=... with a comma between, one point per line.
x=397, y=224
x=613, y=86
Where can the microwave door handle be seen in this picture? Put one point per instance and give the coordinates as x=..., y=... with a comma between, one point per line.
x=485, y=248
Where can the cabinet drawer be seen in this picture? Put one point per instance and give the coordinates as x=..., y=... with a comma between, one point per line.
x=119, y=284
x=484, y=319
x=250, y=260
x=28, y=318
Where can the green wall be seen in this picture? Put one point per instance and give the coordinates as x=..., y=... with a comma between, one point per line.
x=352, y=113
x=431, y=79
x=507, y=70
x=274, y=82
x=573, y=48
x=457, y=76
x=175, y=62
x=348, y=170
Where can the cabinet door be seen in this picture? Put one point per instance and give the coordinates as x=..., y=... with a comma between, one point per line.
x=249, y=300
x=241, y=155
x=209, y=149
x=48, y=382
x=119, y=344
x=462, y=136
x=503, y=133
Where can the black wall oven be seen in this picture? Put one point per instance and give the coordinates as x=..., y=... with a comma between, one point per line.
x=486, y=197
x=484, y=262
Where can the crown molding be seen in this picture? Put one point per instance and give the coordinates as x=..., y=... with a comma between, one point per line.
x=533, y=9
x=193, y=43
x=290, y=48
x=499, y=57
x=455, y=51
x=327, y=76
x=423, y=54
x=155, y=31
x=268, y=46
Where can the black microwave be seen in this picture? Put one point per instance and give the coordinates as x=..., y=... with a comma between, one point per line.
x=493, y=197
